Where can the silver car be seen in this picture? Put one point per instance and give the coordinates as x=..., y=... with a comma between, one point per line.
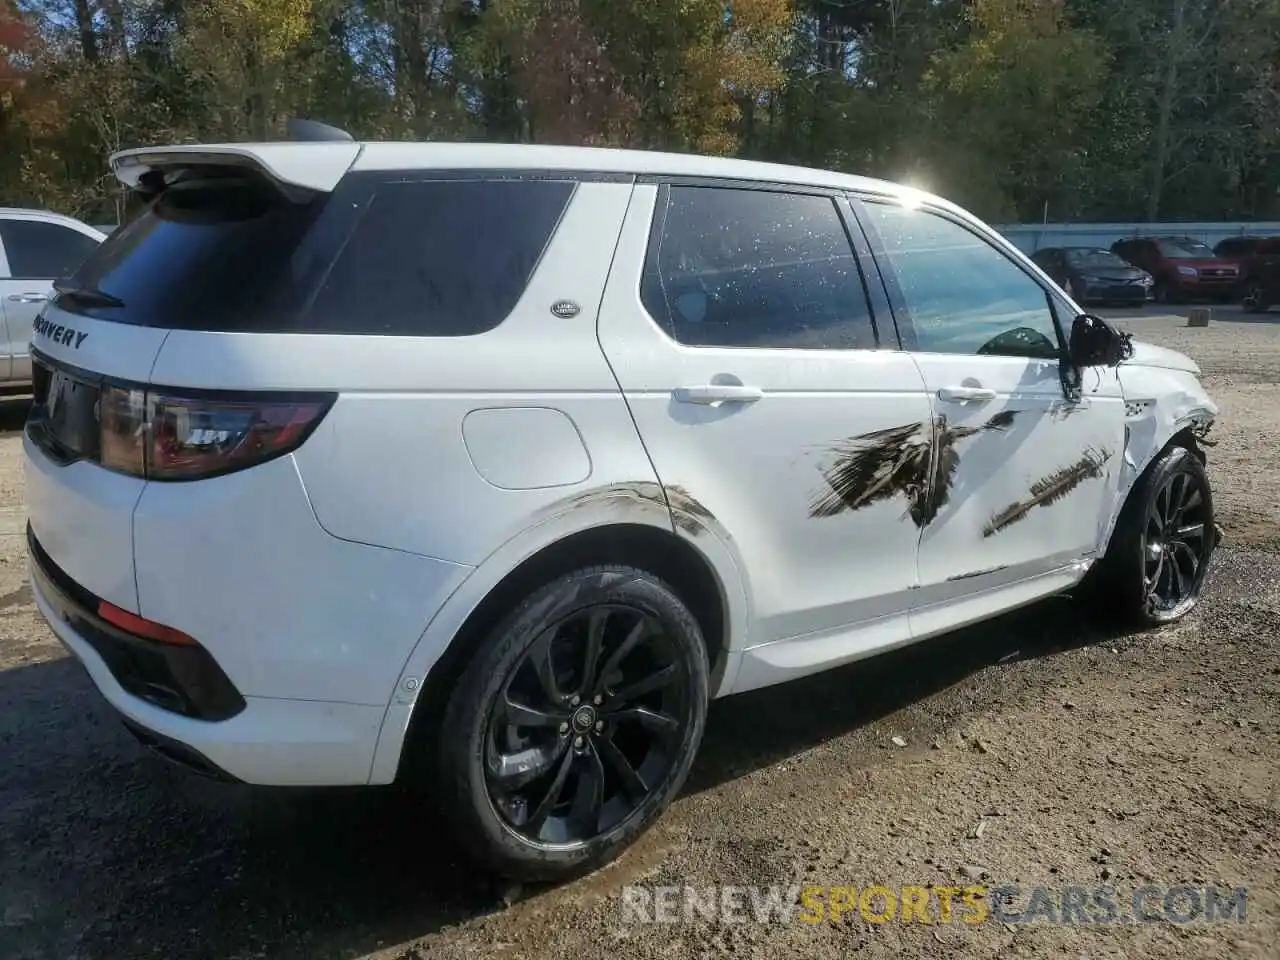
x=36, y=247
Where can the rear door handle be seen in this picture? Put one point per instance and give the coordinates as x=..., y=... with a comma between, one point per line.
x=961, y=394
x=710, y=393
x=28, y=297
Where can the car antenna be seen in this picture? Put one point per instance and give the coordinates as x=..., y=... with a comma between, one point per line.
x=300, y=129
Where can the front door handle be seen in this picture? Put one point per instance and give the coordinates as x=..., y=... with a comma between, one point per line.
x=712, y=393
x=962, y=394
x=28, y=297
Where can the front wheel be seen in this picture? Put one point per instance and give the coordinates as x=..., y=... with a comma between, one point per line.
x=1155, y=566
x=1254, y=300
x=1164, y=292
x=574, y=725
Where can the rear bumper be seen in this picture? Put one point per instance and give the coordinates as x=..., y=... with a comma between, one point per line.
x=183, y=679
x=269, y=742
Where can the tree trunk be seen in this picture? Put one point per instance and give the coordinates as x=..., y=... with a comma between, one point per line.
x=84, y=26
x=1164, y=119
x=117, y=32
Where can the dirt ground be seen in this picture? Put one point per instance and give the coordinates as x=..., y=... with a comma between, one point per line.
x=1088, y=757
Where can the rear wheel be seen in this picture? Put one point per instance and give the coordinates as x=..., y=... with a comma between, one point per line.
x=1155, y=567
x=575, y=724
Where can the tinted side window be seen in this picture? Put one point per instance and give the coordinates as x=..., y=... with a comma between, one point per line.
x=753, y=268
x=439, y=257
x=43, y=251
x=961, y=294
x=230, y=253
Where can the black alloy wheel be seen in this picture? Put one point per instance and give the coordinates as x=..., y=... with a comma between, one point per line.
x=574, y=724
x=588, y=722
x=1157, y=561
x=1177, y=540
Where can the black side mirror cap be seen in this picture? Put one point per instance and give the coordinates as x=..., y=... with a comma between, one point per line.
x=1094, y=342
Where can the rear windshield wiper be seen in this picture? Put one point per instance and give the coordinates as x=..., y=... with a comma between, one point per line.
x=87, y=295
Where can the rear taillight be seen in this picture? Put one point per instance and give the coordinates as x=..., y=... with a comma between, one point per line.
x=162, y=435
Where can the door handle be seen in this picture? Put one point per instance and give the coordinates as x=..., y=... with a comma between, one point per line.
x=961, y=394
x=711, y=393
x=28, y=297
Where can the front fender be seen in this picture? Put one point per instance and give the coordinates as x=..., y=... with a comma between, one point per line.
x=1160, y=404
x=639, y=502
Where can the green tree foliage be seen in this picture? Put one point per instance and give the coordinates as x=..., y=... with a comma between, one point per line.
x=1098, y=109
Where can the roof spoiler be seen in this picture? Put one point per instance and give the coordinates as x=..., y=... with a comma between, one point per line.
x=300, y=129
x=319, y=166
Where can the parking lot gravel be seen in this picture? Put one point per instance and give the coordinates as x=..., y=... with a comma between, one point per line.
x=1039, y=750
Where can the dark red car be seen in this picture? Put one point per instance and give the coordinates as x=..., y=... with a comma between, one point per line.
x=1183, y=268
x=1257, y=258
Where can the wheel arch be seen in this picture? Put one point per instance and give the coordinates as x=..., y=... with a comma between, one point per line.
x=696, y=565
x=1188, y=436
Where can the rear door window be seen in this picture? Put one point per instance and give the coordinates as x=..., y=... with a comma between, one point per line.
x=378, y=256
x=733, y=267
x=38, y=250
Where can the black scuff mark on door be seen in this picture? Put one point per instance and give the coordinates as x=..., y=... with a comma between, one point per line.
x=875, y=467
x=985, y=571
x=1049, y=490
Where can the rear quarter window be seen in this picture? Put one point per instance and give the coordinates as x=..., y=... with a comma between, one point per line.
x=440, y=257
x=378, y=256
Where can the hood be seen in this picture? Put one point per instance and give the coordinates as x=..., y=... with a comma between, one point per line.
x=1110, y=273
x=1149, y=355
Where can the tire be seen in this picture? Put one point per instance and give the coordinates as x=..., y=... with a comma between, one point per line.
x=1165, y=293
x=1254, y=300
x=522, y=797
x=1073, y=292
x=1147, y=576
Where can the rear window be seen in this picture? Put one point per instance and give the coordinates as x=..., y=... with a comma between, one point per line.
x=416, y=258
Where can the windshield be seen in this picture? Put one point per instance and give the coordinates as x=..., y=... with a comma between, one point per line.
x=1185, y=249
x=1094, y=258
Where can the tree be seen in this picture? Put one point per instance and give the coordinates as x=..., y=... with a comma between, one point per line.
x=1013, y=106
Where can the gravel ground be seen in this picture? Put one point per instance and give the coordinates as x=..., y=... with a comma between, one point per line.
x=1088, y=757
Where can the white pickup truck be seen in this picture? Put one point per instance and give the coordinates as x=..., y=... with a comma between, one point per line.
x=36, y=248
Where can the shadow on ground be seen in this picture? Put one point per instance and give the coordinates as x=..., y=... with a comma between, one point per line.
x=108, y=851
x=13, y=412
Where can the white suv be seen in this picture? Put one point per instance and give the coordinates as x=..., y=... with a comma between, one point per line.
x=36, y=248
x=499, y=462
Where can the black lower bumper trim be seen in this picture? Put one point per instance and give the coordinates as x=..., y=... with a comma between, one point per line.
x=183, y=679
x=177, y=752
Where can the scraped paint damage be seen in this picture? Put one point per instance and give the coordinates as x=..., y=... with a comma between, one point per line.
x=875, y=467
x=686, y=511
x=1049, y=490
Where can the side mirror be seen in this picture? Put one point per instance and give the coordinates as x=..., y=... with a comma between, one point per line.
x=1095, y=343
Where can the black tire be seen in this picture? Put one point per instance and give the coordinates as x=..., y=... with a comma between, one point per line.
x=552, y=799
x=1155, y=566
x=1164, y=292
x=1254, y=300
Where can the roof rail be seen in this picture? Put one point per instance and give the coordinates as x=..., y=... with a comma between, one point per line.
x=300, y=129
